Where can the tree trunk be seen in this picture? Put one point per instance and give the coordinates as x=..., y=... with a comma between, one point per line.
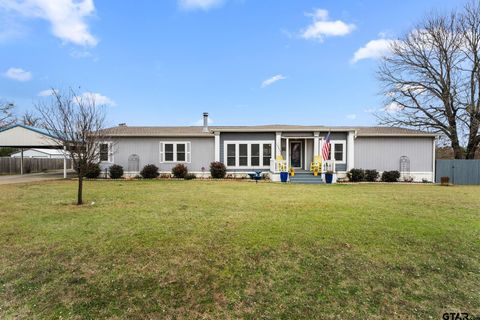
x=473, y=139
x=471, y=150
x=80, y=190
x=457, y=149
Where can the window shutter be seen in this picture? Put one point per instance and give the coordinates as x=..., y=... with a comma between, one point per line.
x=188, y=152
x=162, y=152
x=110, y=152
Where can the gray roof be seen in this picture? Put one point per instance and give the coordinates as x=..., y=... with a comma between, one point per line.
x=196, y=131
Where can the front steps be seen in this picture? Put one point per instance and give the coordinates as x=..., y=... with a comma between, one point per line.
x=306, y=178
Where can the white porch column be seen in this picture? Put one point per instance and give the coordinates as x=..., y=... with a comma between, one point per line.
x=21, y=161
x=64, y=162
x=316, y=140
x=350, y=150
x=278, y=144
x=288, y=154
x=217, y=146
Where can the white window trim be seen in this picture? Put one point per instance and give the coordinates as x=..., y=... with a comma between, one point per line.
x=110, y=151
x=249, y=151
x=188, y=151
x=344, y=150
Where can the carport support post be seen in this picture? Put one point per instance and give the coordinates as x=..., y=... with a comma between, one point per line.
x=64, y=162
x=21, y=161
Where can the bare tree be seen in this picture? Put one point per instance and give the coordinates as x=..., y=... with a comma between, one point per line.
x=7, y=116
x=77, y=122
x=29, y=118
x=432, y=79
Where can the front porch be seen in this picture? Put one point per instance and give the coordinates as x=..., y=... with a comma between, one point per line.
x=298, y=152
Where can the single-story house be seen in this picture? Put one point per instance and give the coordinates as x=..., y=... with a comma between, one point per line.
x=41, y=153
x=266, y=148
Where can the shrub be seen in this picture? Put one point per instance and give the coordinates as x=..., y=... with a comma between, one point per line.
x=218, y=170
x=390, y=176
x=150, y=171
x=356, y=175
x=371, y=175
x=190, y=176
x=116, y=171
x=92, y=171
x=180, y=171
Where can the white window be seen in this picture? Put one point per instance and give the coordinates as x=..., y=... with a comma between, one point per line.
x=173, y=151
x=105, y=152
x=247, y=154
x=337, y=151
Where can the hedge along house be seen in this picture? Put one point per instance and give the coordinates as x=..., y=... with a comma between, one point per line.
x=269, y=148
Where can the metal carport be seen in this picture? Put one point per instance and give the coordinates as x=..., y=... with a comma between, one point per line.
x=26, y=137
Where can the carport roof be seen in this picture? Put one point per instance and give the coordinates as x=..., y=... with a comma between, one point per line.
x=27, y=137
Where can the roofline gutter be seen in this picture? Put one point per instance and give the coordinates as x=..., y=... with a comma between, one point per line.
x=119, y=135
x=425, y=135
x=286, y=130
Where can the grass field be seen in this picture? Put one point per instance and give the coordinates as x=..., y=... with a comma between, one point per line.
x=198, y=249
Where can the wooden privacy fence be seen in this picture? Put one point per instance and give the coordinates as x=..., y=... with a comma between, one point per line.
x=458, y=171
x=30, y=165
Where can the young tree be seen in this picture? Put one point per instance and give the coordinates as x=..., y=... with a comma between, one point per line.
x=432, y=79
x=7, y=116
x=77, y=122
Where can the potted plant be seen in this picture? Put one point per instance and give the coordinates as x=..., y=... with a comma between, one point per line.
x=329, y=177
x=292, y=172
x=284, y=176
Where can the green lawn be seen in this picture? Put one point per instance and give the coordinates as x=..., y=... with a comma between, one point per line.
x=204, y=249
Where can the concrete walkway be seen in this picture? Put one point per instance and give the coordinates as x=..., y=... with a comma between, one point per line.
x=34, y=177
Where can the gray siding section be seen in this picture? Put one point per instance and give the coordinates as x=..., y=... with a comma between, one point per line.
x=148, y=149
x=297, y=134
x=383, y=153
x=243, y=136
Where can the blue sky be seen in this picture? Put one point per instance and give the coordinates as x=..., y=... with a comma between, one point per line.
x=243, y=61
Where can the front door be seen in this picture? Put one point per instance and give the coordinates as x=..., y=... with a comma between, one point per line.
x=296, y=154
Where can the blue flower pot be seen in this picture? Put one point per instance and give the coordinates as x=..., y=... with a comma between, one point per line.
x=284, y=176
x=328, y=178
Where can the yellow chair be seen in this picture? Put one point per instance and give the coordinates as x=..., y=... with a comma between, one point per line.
x=316, y=164
x=281, y=165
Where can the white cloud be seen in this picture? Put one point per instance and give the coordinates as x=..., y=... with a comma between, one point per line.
x=18, y=74
x=272, y=80
x=322, y=27
x=374, y=49
x=199, y=4
x=351, y=116
x=393, y=107
x=98, y=98
x=46, y=93
x=67, y=17
x=369, y=110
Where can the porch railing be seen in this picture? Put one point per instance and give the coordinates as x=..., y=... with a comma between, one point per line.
x=277, y=166
x=328, y=165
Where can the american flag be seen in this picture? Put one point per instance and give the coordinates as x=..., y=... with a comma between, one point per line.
x=326, y=148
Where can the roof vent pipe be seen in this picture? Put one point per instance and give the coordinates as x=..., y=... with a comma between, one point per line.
x=205, y=122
